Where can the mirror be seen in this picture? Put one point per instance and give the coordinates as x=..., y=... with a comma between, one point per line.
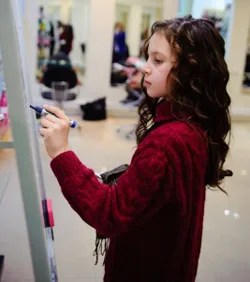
x=246, y=72
x=61, y=42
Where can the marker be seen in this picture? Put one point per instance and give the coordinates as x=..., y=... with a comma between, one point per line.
x=43, y=112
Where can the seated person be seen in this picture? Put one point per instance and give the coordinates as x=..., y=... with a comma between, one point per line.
x=134, y=89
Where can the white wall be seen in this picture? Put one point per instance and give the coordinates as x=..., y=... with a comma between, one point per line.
x=99, y=48
x=80, y=23
x=170, y=8
x=134, y=29
x=237, y=48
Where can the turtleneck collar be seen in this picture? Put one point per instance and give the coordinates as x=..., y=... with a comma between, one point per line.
x=164, y=111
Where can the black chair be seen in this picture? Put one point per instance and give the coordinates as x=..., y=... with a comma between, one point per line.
x=60, y=78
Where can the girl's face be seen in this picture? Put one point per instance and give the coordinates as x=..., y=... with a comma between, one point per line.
x=157, y=68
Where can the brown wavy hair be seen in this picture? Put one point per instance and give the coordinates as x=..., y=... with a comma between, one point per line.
x=200, y=77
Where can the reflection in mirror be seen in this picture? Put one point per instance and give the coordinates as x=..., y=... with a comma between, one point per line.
x=133, y=21
x=61, y=42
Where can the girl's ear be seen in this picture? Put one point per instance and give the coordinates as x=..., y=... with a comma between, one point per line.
x=174, y=63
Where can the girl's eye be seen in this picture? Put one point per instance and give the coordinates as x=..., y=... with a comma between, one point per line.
x=157, y=61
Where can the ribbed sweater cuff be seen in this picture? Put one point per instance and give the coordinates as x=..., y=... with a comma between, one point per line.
x=64, y=163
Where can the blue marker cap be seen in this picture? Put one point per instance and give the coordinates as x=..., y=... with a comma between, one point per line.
x=73, y=123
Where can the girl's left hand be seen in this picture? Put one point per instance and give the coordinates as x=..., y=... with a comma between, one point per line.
x=55, y=130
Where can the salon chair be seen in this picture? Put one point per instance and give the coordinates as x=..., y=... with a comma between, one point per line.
x=60, y=79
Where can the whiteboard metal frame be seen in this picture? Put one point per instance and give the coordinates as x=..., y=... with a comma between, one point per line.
x=25, y=141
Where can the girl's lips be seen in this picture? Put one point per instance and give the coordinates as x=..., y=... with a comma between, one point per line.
x=146, y=83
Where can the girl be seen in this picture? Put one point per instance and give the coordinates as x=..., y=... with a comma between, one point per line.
x=154, y=214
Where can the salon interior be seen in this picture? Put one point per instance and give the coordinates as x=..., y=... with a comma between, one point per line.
x=64, y=55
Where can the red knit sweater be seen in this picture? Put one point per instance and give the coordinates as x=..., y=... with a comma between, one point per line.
x=154, y=214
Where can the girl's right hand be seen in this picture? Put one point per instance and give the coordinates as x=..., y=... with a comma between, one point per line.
x=55, y=130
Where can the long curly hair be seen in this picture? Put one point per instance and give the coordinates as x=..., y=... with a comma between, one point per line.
x=200, y=77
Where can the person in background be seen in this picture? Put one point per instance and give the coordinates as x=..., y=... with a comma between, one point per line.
x=52, y=39
x=120, y=47
x=153, y=215
x=66, y=36
x=133, y=89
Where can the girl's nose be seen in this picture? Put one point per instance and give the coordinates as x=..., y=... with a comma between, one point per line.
x=146, y=69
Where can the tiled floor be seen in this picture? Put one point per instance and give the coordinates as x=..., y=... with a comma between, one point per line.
x=102, y=145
